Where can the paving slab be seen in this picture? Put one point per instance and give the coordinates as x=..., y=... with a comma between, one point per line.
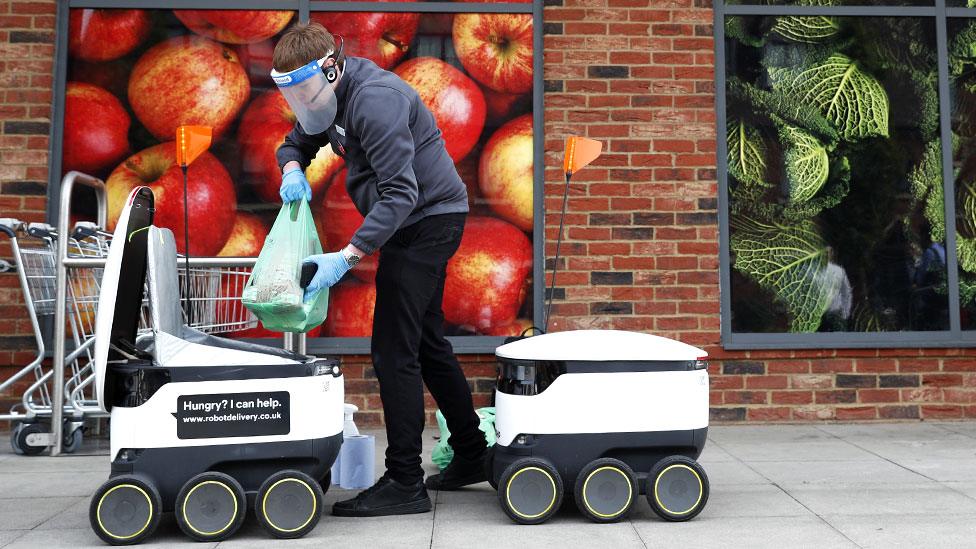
x=85, y=538
x=832, y=473
x=752, y=532
x=827, y=449
x=890, y=431
x=49, y=485
x=766, y=433
x=890, y=531
x=561, y=532
x=966, y=488
x=732, y=472
x=61, y=464
x=968, y=428
x=943, y=470
x=372, y=533
x=905, y=499
x=8, y=536
x=27, y=513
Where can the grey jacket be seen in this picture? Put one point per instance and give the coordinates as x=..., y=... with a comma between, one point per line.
x=399, y=171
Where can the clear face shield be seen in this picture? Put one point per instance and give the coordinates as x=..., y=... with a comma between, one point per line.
x=310, y=94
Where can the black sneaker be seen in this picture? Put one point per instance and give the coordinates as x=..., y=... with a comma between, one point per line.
x=386, y=497
x=460, y=472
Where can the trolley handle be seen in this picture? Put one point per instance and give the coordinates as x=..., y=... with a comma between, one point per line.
x=41, y=230
x=9, y=226
x=84, y=229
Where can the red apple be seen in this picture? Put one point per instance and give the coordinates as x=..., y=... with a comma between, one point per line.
x=350, y=310
x=487, y=277
x=339, y=220
x=96, y=129
x=505, y=172
x=235, y=26
x=511, y=329
x=381, y=37
x=213, y=203
x=263, y=128
x=256, y=58
x=102, y=35
x=246, y=237
x=187, y=80
x=455, y=100
x=496, y=49
x=502, y=106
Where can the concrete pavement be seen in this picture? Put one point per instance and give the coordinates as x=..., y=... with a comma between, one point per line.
x=827, y=485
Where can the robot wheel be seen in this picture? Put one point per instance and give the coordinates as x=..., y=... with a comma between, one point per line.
x=677, y=488
x=210, y=506
x=606, y=489
x=289, y=504
x=125, y=510
x=530, y=491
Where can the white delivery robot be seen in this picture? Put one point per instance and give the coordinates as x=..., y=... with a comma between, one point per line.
x=604, y=414
x=202, y=426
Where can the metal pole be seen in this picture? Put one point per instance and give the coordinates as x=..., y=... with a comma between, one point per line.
x=61, y=295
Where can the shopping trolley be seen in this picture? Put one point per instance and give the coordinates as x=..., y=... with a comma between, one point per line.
x=215, y=289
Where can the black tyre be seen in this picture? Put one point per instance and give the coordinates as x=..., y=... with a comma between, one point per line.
x=530, y=491
x=677, y=488
x=289, y=504
x=605, y=490
x=71, y=438
x=210, y=506
x=27, y=429
x=14, y=442
x=125, y=510
x=490, y=467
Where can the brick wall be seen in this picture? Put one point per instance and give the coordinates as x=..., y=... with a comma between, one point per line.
x=641, y=247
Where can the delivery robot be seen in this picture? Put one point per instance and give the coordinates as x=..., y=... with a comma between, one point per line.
x=606, y=415
x=201, y=426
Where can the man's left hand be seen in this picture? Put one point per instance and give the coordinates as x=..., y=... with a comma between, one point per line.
x=330, y=268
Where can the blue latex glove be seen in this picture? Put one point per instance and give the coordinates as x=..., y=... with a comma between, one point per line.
x=294, y=186
x=331, y=267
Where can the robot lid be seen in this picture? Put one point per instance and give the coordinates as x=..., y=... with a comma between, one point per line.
x=123, y=285
x=599, y=345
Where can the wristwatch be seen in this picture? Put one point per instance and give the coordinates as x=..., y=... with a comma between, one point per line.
x=351, y=258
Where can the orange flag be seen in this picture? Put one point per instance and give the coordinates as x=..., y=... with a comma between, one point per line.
x=191, y=141
x=580, y=151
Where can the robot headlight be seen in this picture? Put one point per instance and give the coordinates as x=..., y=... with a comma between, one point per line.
x=327, y=369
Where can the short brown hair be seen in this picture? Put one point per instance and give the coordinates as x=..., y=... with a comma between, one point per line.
x=302, y=44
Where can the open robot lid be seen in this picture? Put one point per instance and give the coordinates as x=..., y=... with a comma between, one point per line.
x=599, y=345
x=123, y=285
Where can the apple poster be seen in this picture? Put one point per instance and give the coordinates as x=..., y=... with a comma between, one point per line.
x=135, y=75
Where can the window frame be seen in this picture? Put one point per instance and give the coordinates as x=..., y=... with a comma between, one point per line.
x=955, y=336
x=475, y=344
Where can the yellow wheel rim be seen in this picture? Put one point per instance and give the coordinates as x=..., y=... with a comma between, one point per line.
x=98, y=511
x=226, y=526
x=630, y=491
x=701, y=489
x=264, y=505
x=508, y=492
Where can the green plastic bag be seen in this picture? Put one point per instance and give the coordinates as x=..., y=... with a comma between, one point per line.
x=442, y=454
x=273, y=291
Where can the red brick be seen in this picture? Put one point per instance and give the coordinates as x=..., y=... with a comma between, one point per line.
x=792, y=397
x=831, y=366
x=923, y=394
x=767, y=382
x=942, y=380
x=940, y=411
x=959, y=365
x=960, y=396
x=870, y=396
x=881, y=365
x=857, y=412
x=780, y=413
x=745, y=397
x=788, y=366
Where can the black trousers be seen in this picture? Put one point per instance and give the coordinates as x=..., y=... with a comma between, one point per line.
x=409, y=348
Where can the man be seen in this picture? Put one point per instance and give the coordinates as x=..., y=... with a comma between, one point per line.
x=402, y=180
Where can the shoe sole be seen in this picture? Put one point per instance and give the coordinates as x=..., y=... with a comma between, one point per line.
x=413, y=507
x=473, y=479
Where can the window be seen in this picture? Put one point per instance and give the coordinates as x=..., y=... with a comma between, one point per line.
x=131, y=76
x=837, y=124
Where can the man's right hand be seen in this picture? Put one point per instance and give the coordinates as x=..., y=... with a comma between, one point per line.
x=294, y=186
